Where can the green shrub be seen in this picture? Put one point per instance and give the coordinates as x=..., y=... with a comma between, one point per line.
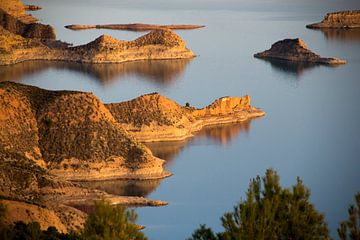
x=272, y=212
x=109, y=223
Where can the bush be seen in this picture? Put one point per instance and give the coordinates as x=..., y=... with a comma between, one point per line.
x=350, y=229
x=272, y=212
x=109, y=223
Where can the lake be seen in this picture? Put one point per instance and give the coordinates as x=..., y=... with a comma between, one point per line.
x=311, y=128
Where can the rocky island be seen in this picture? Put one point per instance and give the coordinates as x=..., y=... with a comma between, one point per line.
x=22, y=39
x=342, y=19
x=295, y=50
x=152, y=117
x=135, y=26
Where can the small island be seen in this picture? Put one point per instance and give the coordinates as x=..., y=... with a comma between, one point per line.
x=134, y=26
x=295, y=50
x=342, y=19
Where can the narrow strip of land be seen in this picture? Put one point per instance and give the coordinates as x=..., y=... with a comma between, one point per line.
x=134, y=26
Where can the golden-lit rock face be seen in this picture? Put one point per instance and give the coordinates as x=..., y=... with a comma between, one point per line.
x=152, y=117
x=342, y=19
x=295, y=50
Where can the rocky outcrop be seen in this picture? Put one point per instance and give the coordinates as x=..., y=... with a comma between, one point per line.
x=134, y=26
x=27, y=30
x=342, y=19
x=295, y=50
x=32, y=7
x=153, y=117
x=159, y=44
x=17, y=9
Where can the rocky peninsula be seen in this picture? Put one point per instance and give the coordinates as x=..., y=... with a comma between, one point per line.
x=152, y=117
x=135, y=26
x=342, y=19
x=22, y=39
x=49, y=138
x=295, y=50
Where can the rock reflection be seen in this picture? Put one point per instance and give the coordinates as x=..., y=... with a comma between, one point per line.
x=122, y=187
x=344, y=35
x=220, y=135
x=162, y=72
x=292, y=68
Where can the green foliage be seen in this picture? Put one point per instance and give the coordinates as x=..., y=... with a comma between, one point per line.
x=350, y=229
x=32, y=231
x=272, y=212
x=110, y=223
x=203, y=233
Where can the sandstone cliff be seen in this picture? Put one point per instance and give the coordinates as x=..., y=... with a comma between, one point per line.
x=296, y=50
x=153, y=117
x=342, y=19
x=159, y=44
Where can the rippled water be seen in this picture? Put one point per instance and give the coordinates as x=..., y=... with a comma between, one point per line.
x=311, y=128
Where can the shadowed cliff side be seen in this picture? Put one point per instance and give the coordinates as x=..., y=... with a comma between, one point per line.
x=153, y=117
x=27, y=30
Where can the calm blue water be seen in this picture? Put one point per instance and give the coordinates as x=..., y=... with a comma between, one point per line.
x=311, y=128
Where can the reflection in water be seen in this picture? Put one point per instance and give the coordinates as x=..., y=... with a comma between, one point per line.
x=221, y=135
x=289, y=67
x=343, y=35
x=217, y=134
x=122, y=187
x=160, y=71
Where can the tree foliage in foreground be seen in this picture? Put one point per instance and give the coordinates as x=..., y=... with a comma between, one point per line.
x=271, y=212
x=109, y=223
x=105, y=222
x=350, y=229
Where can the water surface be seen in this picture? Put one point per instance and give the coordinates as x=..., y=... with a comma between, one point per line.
x=311, y=128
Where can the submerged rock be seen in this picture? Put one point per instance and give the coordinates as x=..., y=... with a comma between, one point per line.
x=342, y=19
x=295, y=50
